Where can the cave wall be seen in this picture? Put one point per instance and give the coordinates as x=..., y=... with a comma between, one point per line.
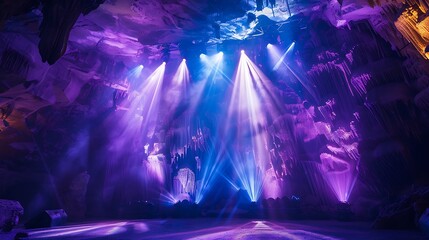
x=363, y=80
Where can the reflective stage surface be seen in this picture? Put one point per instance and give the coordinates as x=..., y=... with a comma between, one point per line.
x=218, y=229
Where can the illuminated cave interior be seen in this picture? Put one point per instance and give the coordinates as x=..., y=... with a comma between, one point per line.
x=126, y=116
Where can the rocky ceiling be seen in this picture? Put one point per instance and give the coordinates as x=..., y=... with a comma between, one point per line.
x=129, y=28
x=116, y=27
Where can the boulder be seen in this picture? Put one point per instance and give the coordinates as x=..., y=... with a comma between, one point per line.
x=424, y=222
x=406, y=213
x=10, y=212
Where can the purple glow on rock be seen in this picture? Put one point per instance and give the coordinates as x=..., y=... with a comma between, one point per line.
x=157, y=167
x=339, y=166
x=325, y=71
x=274, y=187
x=340, y=174
x=334, y=164
x=184, y=182
x=360, y=82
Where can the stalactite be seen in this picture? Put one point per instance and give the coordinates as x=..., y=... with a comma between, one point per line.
x=423, y=28
x=384, y=24
x=327, y=56
x=331, y=77
x=423, y=5
x=397, y=118
x=352, y=151
x=414, y=29
x=360, y=83
x=59, y=18
x=327, y=110
x=13, y=62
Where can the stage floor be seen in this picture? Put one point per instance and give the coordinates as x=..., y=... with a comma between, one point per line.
x=207, y=228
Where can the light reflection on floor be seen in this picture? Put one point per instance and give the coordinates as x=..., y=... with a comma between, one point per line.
x=89, y=231
x=195, y=229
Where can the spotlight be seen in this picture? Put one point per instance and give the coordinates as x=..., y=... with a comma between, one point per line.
x=203, y=58
x=242, y=51
x=269, y=45
x=141, y=66
x=163, y=63
x=184, y=60
x=219, y=56
x=292, y=45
